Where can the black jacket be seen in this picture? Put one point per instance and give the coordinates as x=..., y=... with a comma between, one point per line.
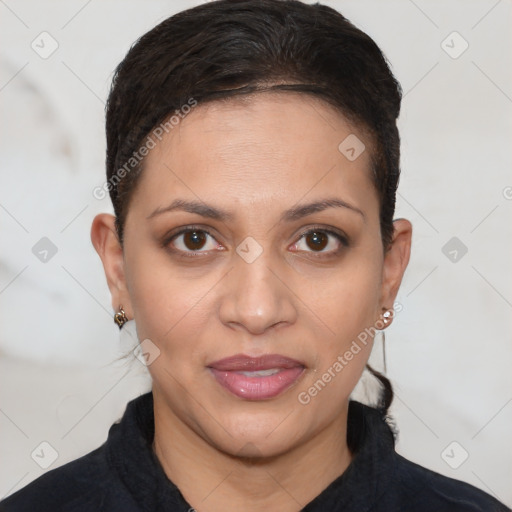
x=124, y=475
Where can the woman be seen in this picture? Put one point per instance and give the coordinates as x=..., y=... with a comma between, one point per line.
x=253, y=162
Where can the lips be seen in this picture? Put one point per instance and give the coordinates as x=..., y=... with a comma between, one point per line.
x=256, y=378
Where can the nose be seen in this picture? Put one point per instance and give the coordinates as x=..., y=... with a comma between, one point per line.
x=257, y=295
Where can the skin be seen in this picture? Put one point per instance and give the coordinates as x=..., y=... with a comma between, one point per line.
x=256, y=157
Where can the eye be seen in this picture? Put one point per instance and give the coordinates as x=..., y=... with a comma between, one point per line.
x=193, y=240
x=320, y=240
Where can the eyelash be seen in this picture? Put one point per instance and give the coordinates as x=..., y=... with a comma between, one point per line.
x=344, y=241
x=341, y=238
x=187, y=229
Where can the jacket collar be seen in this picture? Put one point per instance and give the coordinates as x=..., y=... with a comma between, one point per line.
x=130, y=453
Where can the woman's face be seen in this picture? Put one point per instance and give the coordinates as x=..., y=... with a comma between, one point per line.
x=247, y=278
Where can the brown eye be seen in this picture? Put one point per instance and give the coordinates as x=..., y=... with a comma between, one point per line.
x=322, y=241
x=194, y=240
x=317, y=240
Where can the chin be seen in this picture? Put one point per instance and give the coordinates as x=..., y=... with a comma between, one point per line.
x=254, y=436
x=251, y=452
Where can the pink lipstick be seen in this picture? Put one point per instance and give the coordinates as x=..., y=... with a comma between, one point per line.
x=256, y=378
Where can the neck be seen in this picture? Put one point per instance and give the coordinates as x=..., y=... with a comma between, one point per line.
x=213, y=480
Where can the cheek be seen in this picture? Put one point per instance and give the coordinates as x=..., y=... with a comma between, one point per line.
x=348, y=300
x=166, y=305
x=348, y=305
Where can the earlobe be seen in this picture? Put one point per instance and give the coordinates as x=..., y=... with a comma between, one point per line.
x=105, y=241
x=396, y=260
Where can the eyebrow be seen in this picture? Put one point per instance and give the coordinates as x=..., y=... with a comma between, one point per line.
x=200, y=208
x=307, y=209
x=292, y=214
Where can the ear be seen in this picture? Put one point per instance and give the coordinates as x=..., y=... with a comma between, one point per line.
x=395, y=262
x=105, y=241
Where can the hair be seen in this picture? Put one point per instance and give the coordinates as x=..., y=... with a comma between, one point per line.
x=226, y=48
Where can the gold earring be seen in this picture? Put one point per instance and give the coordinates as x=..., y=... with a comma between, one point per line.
x=386, y=316
x=384, y=351
x=120, y=317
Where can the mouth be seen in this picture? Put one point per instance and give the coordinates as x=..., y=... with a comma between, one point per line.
x=257, y=378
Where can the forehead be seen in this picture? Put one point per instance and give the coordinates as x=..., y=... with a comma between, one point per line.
x=271, y=146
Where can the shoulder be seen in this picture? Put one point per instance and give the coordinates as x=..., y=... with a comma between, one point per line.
x=424, y=490
x=398, y=484
x=82, y=485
